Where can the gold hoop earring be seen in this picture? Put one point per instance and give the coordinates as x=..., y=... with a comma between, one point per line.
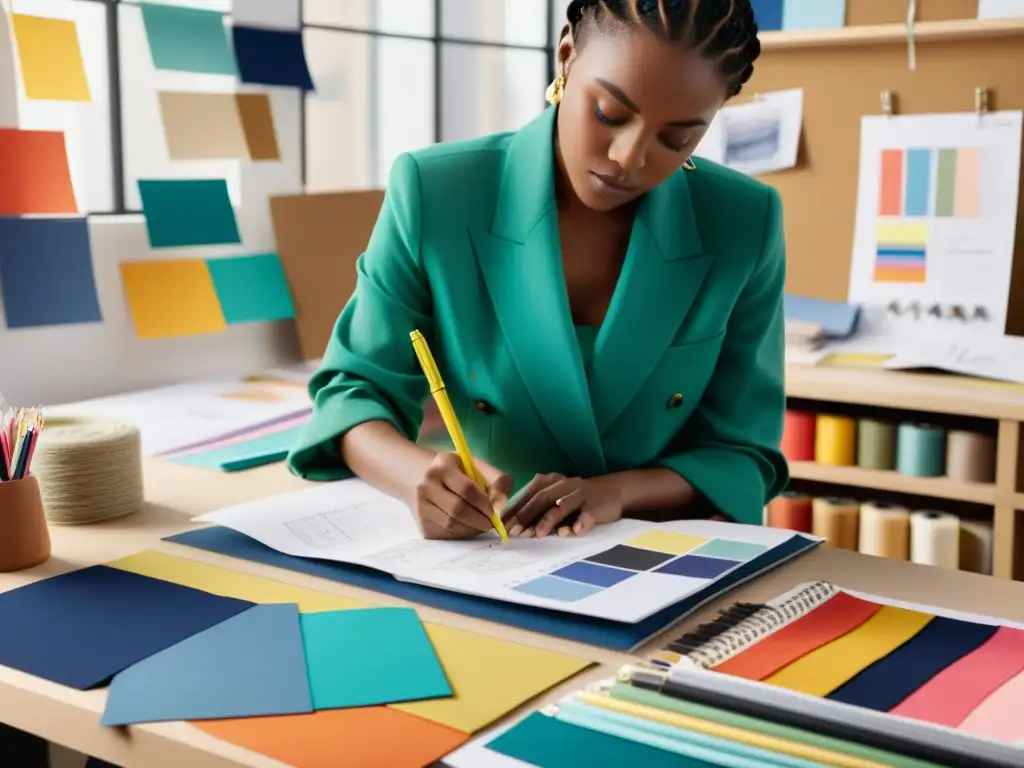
x=553, y=94
x=688, y=165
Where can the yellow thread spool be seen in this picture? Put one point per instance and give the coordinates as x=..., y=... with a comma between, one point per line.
x=835, y=440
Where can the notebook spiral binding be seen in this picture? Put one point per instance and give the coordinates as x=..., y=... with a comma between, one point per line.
x=745, y=624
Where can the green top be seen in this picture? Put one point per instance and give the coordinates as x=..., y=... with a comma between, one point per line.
x=586, y=335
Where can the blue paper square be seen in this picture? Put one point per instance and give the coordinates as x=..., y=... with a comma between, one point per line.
x=271, y=57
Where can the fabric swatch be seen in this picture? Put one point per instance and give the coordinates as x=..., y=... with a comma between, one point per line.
x=833, y=619
x=255, y=452
x=999, y=716
x=81, y=628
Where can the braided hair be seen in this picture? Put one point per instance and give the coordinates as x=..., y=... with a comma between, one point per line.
x=721, y=30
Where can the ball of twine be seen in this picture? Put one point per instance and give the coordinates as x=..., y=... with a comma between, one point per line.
x=89, y=469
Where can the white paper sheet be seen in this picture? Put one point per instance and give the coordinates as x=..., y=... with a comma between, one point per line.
x=1000, y=9
x=349, y=521
x=935, y=227
x=173, y=417
x=761, y=136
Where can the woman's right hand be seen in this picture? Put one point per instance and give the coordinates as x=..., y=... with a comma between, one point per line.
x=449, y=505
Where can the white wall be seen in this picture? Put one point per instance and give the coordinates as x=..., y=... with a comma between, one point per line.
x=374, y=100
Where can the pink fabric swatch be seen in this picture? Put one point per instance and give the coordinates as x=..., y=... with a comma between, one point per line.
x=953, y=694
x=999, y=716
x=280, y=426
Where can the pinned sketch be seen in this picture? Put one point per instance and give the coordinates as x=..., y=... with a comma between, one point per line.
x=762, y=136
x=935, y=228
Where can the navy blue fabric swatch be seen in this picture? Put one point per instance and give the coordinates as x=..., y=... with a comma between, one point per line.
x=271, y=57
x=893, y=678
x=767, y=14
x=585, y=629
x=81, y=628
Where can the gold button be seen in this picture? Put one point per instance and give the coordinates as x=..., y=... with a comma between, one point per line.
x=484, y=407
x=674, y=402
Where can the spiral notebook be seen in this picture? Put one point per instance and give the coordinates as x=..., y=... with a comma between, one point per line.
x=939, y=684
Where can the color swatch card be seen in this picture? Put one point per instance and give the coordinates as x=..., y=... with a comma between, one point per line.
x=623, y=572
x=172, y=298
x=259, y=451
x=249, y=665
x=271, y=57
x=81, y=628
x=188, y=39
x=251, y=289
x=185, y=212
x=36, y=178
x=51, y=58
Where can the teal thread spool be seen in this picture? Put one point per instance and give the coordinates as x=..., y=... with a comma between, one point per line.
x=921, y=450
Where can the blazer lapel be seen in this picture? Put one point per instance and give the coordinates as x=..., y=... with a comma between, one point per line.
x=521, y=261
x=664, y=270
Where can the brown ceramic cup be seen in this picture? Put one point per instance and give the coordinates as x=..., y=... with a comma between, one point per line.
x=24, y=537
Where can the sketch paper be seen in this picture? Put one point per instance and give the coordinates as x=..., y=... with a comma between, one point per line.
x=759, y=137
x=1000, y=9
x=623, y=572
x=935, y=227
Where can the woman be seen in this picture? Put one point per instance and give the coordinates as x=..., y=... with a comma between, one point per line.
x=606, y=314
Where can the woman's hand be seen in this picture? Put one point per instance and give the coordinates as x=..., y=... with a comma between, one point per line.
x=449, y=505
x=545, y=504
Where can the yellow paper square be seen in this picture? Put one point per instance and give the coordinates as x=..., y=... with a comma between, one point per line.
x=667, y=542
x=51, y=59
x=172, y=298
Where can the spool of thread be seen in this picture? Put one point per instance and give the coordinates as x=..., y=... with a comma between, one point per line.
x=921, y=450
x=836, y=520
x=976, y=547
x=89, y=469
x=935, y=539
x=970, y=457
x=835, y=440
x=798, y=436
x=884, y=530
x=876, y=444
x=792, y=511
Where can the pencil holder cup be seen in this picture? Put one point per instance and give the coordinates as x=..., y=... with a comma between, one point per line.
x=24, y=537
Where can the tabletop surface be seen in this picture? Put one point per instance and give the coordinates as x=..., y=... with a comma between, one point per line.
x=176, y=493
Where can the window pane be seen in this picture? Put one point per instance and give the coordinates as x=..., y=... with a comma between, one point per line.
x=559, y=18
x=86, y=125
x=517, y=22
x=487, y=90
x=374, y=100
x=398, y=17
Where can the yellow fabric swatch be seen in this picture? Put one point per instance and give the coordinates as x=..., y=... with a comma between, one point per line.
x=51, y=59
x=667, y=542
x=823, y=670
x=172, y=298
x=489, y=677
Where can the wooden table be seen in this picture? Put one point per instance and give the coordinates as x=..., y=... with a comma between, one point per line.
x=175, y=494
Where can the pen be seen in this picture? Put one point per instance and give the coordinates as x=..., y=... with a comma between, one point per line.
x=444, y=405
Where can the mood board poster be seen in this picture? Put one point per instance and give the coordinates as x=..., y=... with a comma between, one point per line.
x=623, y=571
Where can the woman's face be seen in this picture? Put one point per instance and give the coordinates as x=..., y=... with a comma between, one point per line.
x=633, y=110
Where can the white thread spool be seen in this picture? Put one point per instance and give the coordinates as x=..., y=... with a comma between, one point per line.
x=89, y=469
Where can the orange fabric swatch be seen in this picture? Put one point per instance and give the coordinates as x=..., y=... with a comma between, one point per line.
x=841, y=614
x=369, y=737
x=953, y=694
x=35, y=176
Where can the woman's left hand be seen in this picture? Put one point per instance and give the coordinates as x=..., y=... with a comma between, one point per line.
x=544, y=505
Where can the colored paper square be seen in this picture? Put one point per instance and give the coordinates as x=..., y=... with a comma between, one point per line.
x=667, y=542
x=209, y=676
x=252, y=289
x=46, y=273
x=919, y=182
x=631, y=558
x=968, y=183
x=591, y=573
x=81, y=628
x=257, y=452
x=698, y=567
x=271, y=57
x=814, y=14
x=258, y=125
x=368, y=656
x=188, y=40
x=184, y=212
x=767, y=14
x=730, y=550
x=554, y=588
x=890, y=196
x=35, y=178
x=202, y=126
x=173, y=298
x=51, y=58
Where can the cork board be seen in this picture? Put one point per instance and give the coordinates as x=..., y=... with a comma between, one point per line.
x=843, y=83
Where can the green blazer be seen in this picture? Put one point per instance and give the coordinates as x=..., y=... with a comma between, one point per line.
x=686, y=370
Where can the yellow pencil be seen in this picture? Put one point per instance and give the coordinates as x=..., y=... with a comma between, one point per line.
x=451, y=421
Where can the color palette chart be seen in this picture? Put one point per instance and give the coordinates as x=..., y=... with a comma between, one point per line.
x=901, y=253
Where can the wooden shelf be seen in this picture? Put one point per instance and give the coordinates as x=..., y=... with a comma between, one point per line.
x=924, y=31
x=881, y=480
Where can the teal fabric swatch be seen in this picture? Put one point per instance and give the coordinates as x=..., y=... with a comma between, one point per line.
x=188, y=40
x=250, y=665
x=368, y=656
x=814, y=14
x=183, y=212
x=257, y=452
x=546, y=742
x=730, y=550
x=252, y=289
